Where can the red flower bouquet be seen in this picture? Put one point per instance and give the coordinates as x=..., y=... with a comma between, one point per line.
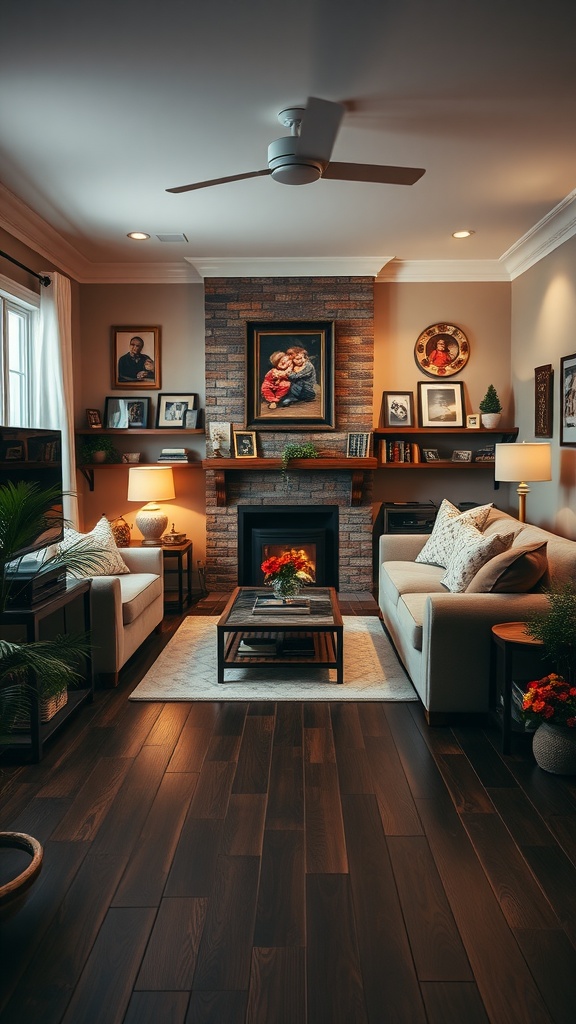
x=287, y=572
x=550, y=699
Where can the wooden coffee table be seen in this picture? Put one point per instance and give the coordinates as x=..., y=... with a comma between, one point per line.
x=322, y=624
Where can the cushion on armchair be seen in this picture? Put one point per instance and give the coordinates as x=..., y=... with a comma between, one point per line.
x=100, y=542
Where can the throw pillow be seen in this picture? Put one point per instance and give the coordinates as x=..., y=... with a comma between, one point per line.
x=470, y=552
x=515, y=571
x=106, y=560
x=440, y=544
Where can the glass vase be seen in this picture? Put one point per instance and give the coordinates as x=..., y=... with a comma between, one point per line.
x=284, y=589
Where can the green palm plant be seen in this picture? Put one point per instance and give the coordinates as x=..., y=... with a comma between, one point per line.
x=27, y=511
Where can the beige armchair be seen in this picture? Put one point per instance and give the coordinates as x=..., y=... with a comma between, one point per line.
x=125, y=609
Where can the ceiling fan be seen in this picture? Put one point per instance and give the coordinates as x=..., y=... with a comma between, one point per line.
x=304, y=155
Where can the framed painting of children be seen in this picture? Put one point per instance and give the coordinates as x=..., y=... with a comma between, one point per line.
x=290, y=375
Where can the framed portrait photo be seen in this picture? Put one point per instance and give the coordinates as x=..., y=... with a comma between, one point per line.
x=135, y=357
x=442, y=350
x=441, y=405
x=397, y=409
x=93, y=418
x=220, y=437
x=245, y=444
x=290, y=375
x=171, y=409
x=568, y=401
x=543, y=400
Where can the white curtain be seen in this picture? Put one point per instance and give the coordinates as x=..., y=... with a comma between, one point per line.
x=53, y=405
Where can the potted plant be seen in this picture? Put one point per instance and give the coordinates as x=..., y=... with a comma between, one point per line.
x=43, y=668
x=297, y=451
x=490, y=408
x=98, y=449
x=550, y=702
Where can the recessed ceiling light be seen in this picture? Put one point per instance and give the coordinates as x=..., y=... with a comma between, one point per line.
x=138, y=236
x=465, y=233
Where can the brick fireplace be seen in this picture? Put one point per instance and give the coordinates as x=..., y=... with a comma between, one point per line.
x=229, y=304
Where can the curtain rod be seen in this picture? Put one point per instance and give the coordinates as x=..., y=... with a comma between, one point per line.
x=43, y=279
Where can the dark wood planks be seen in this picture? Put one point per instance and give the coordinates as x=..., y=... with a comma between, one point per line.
x=302, y=863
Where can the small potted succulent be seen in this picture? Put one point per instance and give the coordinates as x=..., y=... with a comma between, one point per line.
x=490, y=408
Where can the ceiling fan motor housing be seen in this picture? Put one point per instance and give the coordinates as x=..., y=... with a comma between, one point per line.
x=290, y=169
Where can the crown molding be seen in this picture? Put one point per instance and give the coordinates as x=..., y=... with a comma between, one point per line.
x=293, y=266
x=23, y=223
x=404, y=271
x=555, y=228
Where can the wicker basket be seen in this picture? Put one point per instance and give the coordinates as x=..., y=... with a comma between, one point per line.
x=554, y=747
x=48, y=707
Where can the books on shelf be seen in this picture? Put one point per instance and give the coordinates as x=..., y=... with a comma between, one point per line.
x=174, y=455
x=274, y=606
x=399, y=451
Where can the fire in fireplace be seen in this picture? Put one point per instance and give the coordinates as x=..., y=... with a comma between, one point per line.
x=263, y=532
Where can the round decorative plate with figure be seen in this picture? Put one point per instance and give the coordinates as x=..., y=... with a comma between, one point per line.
x=442, y=350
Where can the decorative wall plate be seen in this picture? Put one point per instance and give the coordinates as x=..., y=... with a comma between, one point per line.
x=442, y=350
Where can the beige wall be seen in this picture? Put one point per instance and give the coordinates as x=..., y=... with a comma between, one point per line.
x=179, y=311
x=544, y=330
x=482, y=311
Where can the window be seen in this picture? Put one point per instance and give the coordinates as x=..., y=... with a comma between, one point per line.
x=18, y=325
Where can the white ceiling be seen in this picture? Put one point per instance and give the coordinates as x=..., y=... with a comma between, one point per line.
x=104, y=106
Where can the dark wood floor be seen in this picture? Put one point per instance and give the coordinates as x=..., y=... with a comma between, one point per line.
x=316, y=863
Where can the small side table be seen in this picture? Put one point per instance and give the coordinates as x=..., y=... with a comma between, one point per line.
x=182, y=553
x=508, y=639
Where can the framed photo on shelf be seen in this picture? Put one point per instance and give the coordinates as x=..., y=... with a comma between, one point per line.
x=461, y=456
x=358, y=446
x=473, y=421
x=245, y=444
x=543, y=400
x=441, y=405
x=126, y=413
x=568, y=401
x=442, y=350
x=191, y=419
x=136, y=357
x=397, y=409
x=93, y=418
x=431, y=455
x=290, y=375
x=171, y=409
x=220, y=437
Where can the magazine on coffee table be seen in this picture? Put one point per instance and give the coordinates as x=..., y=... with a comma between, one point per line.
x=274, y=606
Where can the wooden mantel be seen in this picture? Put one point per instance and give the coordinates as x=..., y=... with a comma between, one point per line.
x=356, y=467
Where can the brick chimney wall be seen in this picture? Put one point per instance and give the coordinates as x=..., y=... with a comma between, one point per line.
x=349, y=303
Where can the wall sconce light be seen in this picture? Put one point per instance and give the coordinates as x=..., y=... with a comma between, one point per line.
x=522, y=462
x=151, y=484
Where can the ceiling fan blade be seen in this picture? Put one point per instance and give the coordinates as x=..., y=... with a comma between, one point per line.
x=373, y=172
x=219, y=181
x=320, y=125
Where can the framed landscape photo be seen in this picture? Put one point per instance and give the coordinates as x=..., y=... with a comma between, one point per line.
x=461, y=456
x=441, y=405
x=126, y=413
x=135, y=357
x=543, y=400
x=568, y=401
x=290, y=375
x=397, y=409
x=245, y=444
x=171, y=409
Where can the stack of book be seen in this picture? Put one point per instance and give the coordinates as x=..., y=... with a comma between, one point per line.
x=274, y=606
x=173, y=455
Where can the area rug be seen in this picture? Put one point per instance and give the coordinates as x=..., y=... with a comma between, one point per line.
x=186, y=670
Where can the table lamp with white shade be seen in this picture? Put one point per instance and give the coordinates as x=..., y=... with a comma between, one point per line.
x=151, y=484
x=524, y=463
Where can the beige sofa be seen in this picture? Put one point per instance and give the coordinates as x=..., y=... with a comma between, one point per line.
x=125, y=609
x=443, y=638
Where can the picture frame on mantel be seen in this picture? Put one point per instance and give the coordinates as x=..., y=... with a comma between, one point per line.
x=290, y=375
